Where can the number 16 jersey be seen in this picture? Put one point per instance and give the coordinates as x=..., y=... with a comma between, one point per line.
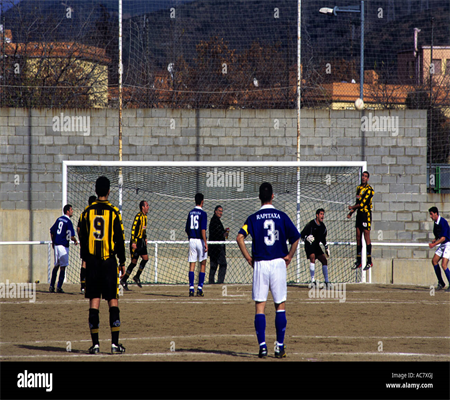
x=270, y=229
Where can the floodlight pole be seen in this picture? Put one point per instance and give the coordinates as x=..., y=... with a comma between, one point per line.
x=352, y=9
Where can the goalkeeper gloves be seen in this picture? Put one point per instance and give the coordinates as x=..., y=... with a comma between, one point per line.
x=310, y=239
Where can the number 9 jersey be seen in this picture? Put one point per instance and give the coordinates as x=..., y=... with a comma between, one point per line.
x=269, y=229
x=101, y=232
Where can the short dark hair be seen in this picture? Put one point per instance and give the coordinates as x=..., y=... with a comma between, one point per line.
x=319, y=211
x=366, y=172
x=66, y=208
x=141, y=204
x=434, y=210
x=92, y=199
x=198, y=199
x=217, y=207
x=102, y=186
x=265, y=192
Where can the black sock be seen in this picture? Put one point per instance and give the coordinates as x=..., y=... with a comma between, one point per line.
x=129, y=271
x=358, y=253
x=141, y=268
x=54, y=274
x=369, y=253
x=83, y=276
x=114, y=323
x=94, y=323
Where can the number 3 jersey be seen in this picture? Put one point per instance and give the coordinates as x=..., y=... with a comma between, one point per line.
x=269, y=229
x=101, y=231
x=197, y=221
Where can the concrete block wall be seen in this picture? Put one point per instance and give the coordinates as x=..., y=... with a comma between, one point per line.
x=34, y=142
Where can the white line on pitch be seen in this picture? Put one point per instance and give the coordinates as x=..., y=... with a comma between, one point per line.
x=371, y=353
x=369, y=337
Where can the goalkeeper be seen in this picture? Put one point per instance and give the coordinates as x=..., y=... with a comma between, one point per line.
x=313, y=233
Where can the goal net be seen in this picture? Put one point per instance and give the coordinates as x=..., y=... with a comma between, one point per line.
x=169, y=188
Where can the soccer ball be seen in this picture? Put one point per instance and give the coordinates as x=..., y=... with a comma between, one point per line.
x=359, y=104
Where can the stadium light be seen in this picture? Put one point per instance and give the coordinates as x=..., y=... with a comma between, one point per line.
x=352, y=9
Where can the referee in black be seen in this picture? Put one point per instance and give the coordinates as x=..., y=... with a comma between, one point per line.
x=102, y=238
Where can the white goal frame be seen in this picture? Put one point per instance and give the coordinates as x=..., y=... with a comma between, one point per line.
x=365, y=277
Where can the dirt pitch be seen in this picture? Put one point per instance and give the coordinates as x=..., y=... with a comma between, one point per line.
x=161, y=323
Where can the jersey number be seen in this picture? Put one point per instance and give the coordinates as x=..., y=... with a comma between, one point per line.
x=68, y=233
x=272, y=234
x=99, y=226
x=194, y=221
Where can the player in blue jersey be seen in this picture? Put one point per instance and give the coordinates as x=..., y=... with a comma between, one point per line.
x=269, y=229
x=61, y=233
x=441, y=232
x=196, y=224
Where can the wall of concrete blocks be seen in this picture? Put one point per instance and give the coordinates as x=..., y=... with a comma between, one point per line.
x=34, y=142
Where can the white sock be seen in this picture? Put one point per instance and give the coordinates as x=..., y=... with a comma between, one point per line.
x=312, y=266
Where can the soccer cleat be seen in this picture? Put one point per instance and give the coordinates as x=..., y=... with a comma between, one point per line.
x=447, y=290
x=59, y=290
x=119, y=349
x=94, y=349
x=280, y=351
x=440, y=287
x=51, y=289
x=327, y=285
x=368, y=265
x=137, y=281
x=124, y=284
x=262, y=352
x=200, y=293
x=357, y=265
x=191, y=293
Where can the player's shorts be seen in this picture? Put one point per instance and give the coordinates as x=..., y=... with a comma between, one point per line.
x=443, y=250
x=269, y=275
x=364, y=220
x=141, y=249
x=61, y=256
x=197, y=250
x=102, y=278
x=313, y=249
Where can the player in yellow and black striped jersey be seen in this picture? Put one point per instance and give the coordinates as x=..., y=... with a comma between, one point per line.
x=138, y=245
x=83, y=263
x=364, y=196
x=102, y=239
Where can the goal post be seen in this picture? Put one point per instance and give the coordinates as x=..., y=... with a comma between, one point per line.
x=170, y=187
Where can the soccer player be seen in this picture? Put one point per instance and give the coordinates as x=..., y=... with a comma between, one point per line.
x=269, y=229
x=441, y=232
x=61, y=233
x=196, y=224
x=364, y=195
x=102, y=238
x=83, y=263
x=313, y=233
x=217, y=252
x=138, y=245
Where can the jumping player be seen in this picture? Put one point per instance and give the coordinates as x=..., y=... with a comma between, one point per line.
x=61, y=233
x=441, y=232
x=102, y=238
x=196, y=224
x=364, y=195
x=313, y=233
x=138, y=245
x=269, y=229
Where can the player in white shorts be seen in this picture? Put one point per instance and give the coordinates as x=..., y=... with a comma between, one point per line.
x=441, y=231
x=196, y=224
x=269, y=229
